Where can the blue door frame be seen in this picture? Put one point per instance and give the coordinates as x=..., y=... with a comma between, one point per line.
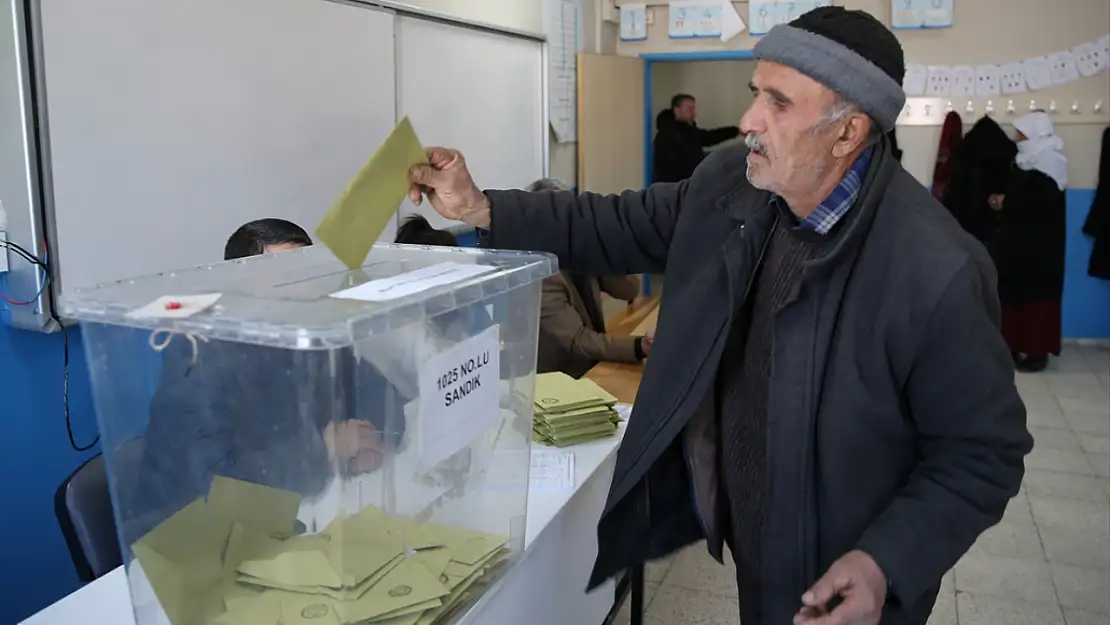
x=649, y=113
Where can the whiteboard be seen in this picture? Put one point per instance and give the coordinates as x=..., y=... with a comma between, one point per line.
x=479, y=92
x=172, y=123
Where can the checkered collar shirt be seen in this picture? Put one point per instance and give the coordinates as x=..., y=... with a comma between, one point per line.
x=840, y=201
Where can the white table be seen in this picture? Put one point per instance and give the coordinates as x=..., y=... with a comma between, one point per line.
x=546, y=587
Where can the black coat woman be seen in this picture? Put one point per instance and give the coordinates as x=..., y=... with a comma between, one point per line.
x=1028, y=243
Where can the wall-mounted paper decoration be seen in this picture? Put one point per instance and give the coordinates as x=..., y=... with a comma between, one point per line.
x=788, y=11
x=731, y=23
x=707, y=19
x=963, y=81
x=1038, y=73
x=762, y=15
x=1013, y=78
x=914, y=81
x=680, y=20
x=1088, y=59
x=986, y=81
x=1062, y=66
x=904, y=15
x=633, y=22
x=940, y=82
x=936, y=13
x=1103, y=44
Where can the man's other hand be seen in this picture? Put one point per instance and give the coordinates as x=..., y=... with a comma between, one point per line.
x=857, y=582
x=449, y=187
x=355, y=445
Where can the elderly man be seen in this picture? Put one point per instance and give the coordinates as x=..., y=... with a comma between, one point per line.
x=829, y=392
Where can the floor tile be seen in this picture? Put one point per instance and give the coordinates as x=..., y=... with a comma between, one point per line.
x=944, y=611
x=1017, y=511
x=656, y=570
x=1083, y=617
x=1048, y=416
x=975, y=609
x=1100, y=464
x=1104, y=379
x=1007, y=578
x=1078, y=548
x=1073, y=384
x=695, y=569
x=1093, y=443
x=624, y=617
x=1011, y=540
x=691, y=607
x=1089, y=516
x=1063, y=485
x=1087, y=421
x=1057, y=460
x=1085, y=589
x=1052, y=438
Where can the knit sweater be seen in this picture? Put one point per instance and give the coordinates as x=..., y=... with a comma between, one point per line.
x=742, y=392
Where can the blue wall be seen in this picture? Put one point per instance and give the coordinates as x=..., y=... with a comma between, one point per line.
x=1086, y=300
x=35, y=454
x=35, y=457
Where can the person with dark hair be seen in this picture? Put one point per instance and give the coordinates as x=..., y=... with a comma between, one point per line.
x=415, y=230
x=679, y=144
x=572, y=324
x=979, y=168
x=828, y=392
x=265, y=236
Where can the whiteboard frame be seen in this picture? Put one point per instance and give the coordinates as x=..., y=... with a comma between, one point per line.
x=37, y=220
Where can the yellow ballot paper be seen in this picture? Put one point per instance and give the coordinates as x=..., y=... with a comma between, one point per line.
x=358, y=217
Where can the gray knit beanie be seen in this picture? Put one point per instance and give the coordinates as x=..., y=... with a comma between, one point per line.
x=850, y=52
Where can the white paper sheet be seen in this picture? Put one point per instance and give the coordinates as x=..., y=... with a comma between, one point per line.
x=904, y=15
x=552, y=469
x=963, y=81
x=1062, y=66
x=412, y=282
x=986, y=81
x=762, y=15
x=175, y=306
x=915, y=80
x=1038, y=73
x=1103, y=46
x=633, y=22
x=731, y=22
x=935, y=13
x=940, y=82
x=1013, y=78
x=1088, y=59
x=624, y=410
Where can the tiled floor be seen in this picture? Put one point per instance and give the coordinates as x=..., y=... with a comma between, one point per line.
x=1046, y=563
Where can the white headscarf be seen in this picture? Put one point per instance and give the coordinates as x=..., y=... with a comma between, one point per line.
x=1041, y=149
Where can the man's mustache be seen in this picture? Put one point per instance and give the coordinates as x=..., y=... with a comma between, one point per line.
x=755, y=143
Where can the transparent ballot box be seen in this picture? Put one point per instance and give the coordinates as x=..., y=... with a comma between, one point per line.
x=291, y=442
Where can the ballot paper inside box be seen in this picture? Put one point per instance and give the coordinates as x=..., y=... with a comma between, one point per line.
x=274, y=432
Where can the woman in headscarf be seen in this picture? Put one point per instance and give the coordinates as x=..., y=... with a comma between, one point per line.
x=1028, y=243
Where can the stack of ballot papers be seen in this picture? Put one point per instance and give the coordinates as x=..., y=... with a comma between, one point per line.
x=233, y=560
x=570, y=411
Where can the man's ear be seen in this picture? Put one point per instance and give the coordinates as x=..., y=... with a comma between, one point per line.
x=853, y=134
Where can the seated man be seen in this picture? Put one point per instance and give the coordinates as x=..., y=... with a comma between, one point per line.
x=290, y=419
x=416, y=230
x=572, y=325
x=265, y=236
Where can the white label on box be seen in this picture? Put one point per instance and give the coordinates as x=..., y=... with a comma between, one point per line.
x=175, y=306
x=459, y=396
x=412, y=282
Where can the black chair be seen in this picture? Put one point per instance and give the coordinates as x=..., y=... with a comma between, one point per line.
x=84, y=510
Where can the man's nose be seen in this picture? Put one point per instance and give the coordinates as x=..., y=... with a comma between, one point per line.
x=751, y=121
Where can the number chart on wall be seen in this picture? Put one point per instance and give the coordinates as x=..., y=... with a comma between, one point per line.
x=917, y=14
x=763, y=15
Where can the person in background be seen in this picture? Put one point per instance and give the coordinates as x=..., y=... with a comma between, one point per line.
x=829, y=393
x=572, y=324
x=265, y=236
x=415, y=230
x=679, y=144
x=978, y=168
x=1028, y=241
x=283, y=418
